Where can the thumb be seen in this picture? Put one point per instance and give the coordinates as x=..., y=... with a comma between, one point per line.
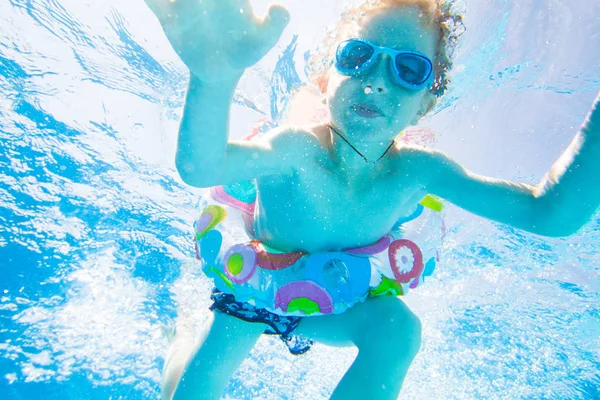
x=274, y=23
x=154, y=7
x=160, y=8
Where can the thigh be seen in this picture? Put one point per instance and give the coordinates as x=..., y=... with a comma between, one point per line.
x=360, y=324
x=213, y=359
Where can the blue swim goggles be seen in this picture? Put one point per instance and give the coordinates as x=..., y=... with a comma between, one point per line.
x=412, y=70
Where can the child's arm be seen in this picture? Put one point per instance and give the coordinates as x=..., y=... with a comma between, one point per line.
x=218, y=40
x=559, y=205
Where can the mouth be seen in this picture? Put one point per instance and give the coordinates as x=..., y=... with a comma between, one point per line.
x=367, y=110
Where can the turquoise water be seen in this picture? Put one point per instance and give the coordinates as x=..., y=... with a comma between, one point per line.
x=95, y=226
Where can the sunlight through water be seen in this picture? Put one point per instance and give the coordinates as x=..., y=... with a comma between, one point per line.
x=96, y=251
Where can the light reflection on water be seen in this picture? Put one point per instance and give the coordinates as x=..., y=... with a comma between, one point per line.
x=95, y=248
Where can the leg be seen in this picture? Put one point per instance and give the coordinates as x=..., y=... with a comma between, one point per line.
x=388, y=337
x=202, y=370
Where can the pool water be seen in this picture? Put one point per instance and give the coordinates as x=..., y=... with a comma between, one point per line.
x=96, y=254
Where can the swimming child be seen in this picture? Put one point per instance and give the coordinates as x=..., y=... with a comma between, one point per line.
x=327, y=201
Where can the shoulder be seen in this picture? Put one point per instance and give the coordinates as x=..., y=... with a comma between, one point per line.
x=289, y=134
x=427, y=164
x=294, y=140
x=408, y=155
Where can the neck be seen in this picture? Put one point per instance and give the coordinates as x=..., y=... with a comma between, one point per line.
x=355, y=156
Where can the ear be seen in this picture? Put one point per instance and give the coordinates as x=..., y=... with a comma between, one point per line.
x=323, y=82
x=427, y=103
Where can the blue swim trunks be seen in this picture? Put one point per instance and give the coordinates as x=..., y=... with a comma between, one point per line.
x=279, y=324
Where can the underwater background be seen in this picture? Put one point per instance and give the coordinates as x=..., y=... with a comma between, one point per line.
x=96, y=250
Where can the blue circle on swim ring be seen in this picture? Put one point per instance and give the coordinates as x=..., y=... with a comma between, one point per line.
x=345, y=277
x=210, y=245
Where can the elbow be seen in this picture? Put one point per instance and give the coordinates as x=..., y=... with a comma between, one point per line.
x=556, y=221
x=194, y=175
x=555, y=231
x=564, y=227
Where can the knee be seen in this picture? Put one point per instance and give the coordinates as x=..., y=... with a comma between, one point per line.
x=395, y=327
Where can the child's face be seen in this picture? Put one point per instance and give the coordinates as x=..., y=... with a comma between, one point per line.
x=400, y=29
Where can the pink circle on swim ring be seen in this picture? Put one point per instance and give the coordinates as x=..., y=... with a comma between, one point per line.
x=219, y=194
x=304, y=290
x=239, y=263
x=274, y=261
x=406, y=260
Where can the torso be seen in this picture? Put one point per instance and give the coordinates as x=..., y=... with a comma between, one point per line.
x=318, y=208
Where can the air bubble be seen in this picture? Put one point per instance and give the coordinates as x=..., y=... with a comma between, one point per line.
x=368, y=90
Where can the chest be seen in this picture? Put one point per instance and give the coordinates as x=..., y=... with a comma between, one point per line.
x=317, y=205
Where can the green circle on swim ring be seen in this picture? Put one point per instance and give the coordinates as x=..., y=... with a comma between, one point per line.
x=387, y=287
x=235, y=264
x=304, y=305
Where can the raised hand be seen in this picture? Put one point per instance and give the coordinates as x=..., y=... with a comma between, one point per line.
x=218, y=39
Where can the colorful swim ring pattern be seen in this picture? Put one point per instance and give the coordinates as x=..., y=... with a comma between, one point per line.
x=303, y=293
x=240, y=263
x=219, y=194
x=374, y=248
x=344, y=276
x=387, y=287
x=272, y=261
x=211, y=217
x=406, y=260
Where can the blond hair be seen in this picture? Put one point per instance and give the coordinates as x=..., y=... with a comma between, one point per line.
x=440, y=13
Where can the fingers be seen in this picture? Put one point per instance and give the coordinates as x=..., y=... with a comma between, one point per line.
x=274, y=23
x=153, y=5
x=277, y=18
x=244, y=6
x=158, y=7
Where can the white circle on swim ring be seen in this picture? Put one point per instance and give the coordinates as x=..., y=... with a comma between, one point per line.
x=405, y=260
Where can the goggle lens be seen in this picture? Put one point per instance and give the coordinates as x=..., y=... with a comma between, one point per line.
x=352, y=54
x=413, y=68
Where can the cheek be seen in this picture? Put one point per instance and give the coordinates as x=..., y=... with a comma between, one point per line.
x=407, y=106
x=341, y=90
x=408, y=102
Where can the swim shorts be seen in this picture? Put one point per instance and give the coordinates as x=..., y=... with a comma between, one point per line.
x=280, y=325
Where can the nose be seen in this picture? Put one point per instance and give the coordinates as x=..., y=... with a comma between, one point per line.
x=378, y=78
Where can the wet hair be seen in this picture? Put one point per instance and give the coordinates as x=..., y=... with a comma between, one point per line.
x=440, y=13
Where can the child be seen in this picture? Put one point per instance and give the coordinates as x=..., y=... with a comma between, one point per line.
x=336, y=188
